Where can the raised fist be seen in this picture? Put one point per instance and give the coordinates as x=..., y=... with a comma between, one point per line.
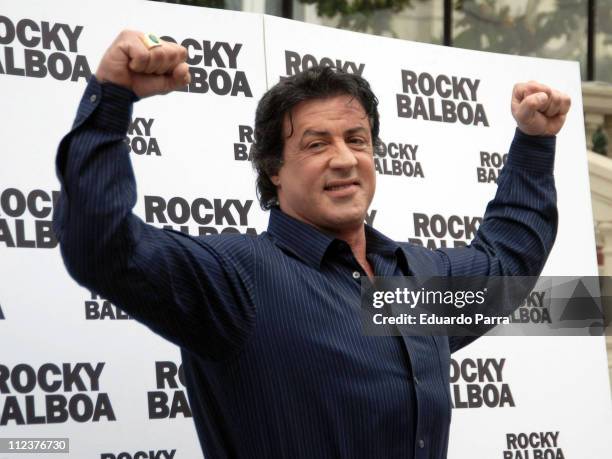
x=538, y=109
x=129, y=63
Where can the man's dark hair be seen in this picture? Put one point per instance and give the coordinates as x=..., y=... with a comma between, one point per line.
x=314, y=83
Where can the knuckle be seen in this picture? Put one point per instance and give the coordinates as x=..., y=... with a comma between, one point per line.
x=172, y=55
x=138, y=55
x=161, y=52
x=157, y=54
x=128, y=33
x=139, y=58
x=175, y=51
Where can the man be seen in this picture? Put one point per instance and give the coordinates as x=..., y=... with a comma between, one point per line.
x=275, y=362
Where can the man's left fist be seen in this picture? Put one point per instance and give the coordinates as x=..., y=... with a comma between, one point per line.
x=538, y=109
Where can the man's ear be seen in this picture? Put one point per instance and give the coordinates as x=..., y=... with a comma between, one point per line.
x=275, y=180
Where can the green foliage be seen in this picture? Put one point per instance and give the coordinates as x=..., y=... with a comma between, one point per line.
x=330, y=8
x=600, y=141
x=373, y=16
x=490, y=26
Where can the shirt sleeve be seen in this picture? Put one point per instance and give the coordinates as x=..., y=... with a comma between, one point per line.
x=520, y=223
x=179, y=286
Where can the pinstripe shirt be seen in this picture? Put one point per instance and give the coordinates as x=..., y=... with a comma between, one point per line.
x=275, y=362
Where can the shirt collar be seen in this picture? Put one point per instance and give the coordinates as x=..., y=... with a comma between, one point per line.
x=303, y=240
x=310, y=244
x=377, y=242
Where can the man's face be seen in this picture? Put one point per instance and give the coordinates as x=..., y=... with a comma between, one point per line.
x=327, y=178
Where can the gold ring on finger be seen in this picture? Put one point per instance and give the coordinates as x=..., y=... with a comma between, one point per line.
x=151, y=40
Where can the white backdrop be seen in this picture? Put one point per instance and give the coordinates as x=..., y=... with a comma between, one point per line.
x=190, y=145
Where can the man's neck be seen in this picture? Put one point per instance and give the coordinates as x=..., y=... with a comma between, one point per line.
x=354, y=236
x=357, y=242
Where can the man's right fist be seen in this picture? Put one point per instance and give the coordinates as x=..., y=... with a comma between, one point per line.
x=128, y=63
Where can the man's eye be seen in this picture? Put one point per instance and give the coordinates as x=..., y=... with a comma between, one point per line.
x=315, y=145
x=357, y=141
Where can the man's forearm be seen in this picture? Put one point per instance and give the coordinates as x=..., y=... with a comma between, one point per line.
x=520, y=223
x=98, y=187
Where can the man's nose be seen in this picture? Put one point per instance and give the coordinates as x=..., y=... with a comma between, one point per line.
x=344, y=156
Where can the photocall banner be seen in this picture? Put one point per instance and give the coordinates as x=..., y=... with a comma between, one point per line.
x=73, y=365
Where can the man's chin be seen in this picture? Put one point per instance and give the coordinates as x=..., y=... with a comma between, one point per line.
x=346, y=220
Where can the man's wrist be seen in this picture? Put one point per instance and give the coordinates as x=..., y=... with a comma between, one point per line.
x=533, y=153
x=109, y=105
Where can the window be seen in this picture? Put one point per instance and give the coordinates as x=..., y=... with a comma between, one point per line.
x=578, y=30
x=417, y=20
x=544, y=28
x=252, y=6
x=603, y=40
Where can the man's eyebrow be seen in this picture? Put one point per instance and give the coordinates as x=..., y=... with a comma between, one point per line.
x=315, y=133
x=356, y=130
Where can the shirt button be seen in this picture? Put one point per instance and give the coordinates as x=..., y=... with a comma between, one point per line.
x=356, y=275
x=93, y=98
x=421, y=443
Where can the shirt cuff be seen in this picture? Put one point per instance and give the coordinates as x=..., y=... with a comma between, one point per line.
x=106, y=106
x=531, y=152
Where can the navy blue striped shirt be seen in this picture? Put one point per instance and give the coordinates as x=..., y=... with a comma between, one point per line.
x=269, y=326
